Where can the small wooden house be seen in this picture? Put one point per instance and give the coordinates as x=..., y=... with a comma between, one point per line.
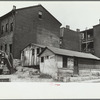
x=55, y=61
x=29, y=55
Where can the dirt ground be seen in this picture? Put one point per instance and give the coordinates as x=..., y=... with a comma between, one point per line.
x=25, y=74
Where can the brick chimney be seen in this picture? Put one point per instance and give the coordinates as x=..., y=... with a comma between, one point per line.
x=77, y=30
x=14, y=7
x=67, y=26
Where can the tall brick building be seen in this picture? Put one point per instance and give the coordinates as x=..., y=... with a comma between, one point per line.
x=90, y=40
x=70, y=39
x=27, y=25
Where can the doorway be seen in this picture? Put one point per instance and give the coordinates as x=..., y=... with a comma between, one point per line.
x=76, y=68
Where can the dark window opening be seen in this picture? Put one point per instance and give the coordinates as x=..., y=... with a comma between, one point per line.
x=42, y=59
x=33, y=51
x=11, y=26
x=40, y=15
x=47, y=57
x=42, y=49
x=5, y=47
x=64, y=62
x=38, y=50
x=1, y=47
x=7, y=27
x=83, y=47
x=2, y=29
x=10, y=46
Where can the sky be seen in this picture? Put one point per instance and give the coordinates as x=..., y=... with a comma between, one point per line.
x=76, y=14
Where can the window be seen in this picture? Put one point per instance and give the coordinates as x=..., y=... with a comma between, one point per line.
x=10, y=47
x=40, y=15
x=42, y=49
x=32, y=51
x=47, y=57
x=38, y=50
x=88, y=36
x=82, y=35
x=7, y=27
x=1, y=47
x=5, y=47
x=11, y=26
x=2, y=29
x=42, y=59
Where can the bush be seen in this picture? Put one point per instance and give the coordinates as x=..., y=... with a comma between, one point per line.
x=45, y=76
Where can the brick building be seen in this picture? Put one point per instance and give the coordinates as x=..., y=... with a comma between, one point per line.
x=90, y=40
x=70, y=39
x=27, y=25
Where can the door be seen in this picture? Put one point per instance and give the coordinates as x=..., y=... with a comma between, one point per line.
x=76, y=69
x=64, y=62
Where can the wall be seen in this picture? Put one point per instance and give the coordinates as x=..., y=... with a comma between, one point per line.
x=49, y=65
x=71, y=40
x=27, y=56
x=6, y=37
x=86, y=66
x=47, y=38
x=28, y=25
x=59, y=61
x=97, y=40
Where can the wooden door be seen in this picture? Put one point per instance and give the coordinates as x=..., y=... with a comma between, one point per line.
x=64, y=62
x=76, y=69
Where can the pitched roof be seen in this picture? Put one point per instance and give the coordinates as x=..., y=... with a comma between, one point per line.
x=71, y=53
x=9, y=13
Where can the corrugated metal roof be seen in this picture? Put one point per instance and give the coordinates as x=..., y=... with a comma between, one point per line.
x=72, y=53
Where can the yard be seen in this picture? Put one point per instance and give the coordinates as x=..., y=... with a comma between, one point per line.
x=24, y=74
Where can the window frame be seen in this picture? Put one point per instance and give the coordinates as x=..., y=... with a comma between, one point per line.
x=6, y=27
x=42, y=59
x=11, y=26
x=40, y=13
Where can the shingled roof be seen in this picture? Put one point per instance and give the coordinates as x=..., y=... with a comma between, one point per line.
x=71, y=53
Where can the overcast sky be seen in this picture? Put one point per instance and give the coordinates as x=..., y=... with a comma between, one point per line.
x=73, y=13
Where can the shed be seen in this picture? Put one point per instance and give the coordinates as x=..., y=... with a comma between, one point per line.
x=29, y=55
x=54, y=61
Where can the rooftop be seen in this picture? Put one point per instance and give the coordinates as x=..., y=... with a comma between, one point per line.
x=71, y=53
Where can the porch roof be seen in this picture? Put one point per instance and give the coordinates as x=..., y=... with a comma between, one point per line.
x=71, y=53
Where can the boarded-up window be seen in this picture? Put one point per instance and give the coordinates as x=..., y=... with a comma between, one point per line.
x=42, y=59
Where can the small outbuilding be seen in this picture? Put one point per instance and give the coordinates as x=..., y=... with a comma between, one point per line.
x=56, y=61
x=29, y=55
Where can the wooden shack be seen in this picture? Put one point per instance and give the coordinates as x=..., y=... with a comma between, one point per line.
x=55, y=62
x=29, y=55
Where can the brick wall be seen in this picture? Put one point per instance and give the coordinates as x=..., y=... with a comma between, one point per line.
x=71, y=40
x=47, y=38
x=27, y=25
x=6, y=37
x=97, y=40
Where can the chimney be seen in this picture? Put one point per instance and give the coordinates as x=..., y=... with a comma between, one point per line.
x=67, y=26
x=77, y=30
x=14, y=7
